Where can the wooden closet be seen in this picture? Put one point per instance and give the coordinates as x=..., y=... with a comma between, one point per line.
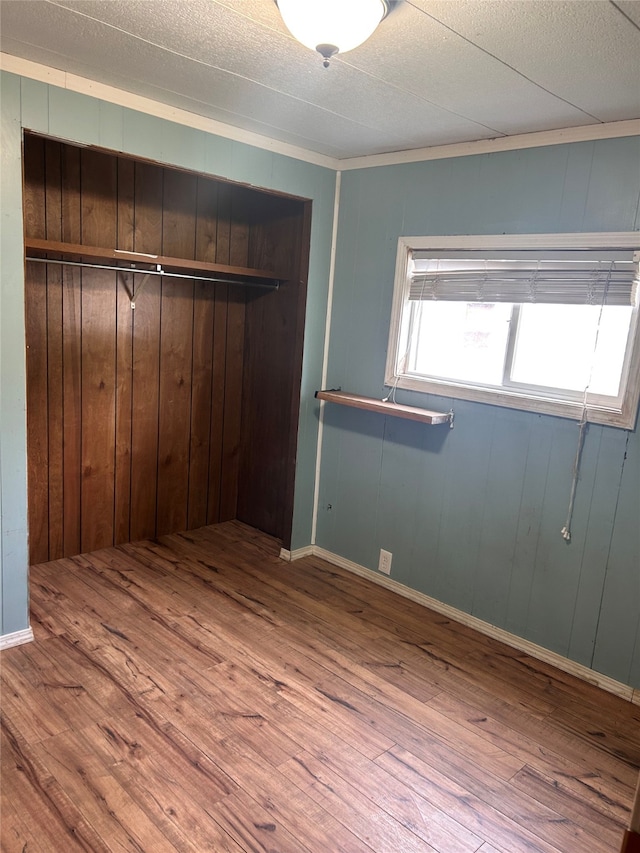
x=181, y=411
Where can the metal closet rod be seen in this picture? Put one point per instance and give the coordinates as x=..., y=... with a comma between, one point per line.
x=158, y=271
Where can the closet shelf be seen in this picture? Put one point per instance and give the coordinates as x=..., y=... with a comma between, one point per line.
x=370, y=404
x=100, y=254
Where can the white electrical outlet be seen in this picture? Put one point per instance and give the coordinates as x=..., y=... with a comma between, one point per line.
x=384, y=563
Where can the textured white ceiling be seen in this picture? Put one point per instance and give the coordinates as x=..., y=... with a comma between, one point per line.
x=435, y=72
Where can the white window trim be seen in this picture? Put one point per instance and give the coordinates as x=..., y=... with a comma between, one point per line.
x=623, y=416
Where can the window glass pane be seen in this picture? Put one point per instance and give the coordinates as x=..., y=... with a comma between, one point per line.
x=460, y=341
x=555, y=347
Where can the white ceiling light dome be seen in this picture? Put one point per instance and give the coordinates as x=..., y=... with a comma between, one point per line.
x=332, y=26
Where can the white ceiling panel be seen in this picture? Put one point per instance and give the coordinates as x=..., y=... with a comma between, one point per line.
x=587, y=53
x=445, y=69
x=435, y=72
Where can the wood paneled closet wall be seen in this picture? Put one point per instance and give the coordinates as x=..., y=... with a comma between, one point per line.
x=183, y=411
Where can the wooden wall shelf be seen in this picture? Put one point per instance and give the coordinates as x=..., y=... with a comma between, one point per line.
x=100, y=254
x=370, y=404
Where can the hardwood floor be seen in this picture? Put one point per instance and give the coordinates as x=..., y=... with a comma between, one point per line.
x=196, y=693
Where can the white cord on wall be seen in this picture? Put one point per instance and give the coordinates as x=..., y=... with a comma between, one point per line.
x=566, y=530
x=582, y=428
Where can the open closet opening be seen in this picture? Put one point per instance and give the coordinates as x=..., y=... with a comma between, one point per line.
x=164, y=326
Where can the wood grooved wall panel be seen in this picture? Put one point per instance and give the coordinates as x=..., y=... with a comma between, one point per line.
x=271, y=386
x=175, y=414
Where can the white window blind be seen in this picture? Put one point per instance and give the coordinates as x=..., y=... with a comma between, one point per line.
x=576, y=277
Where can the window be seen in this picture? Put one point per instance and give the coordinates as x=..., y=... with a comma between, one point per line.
x=547, y=323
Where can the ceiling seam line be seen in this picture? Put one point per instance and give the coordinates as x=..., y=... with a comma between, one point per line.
x=506, y=64
x=624, y=14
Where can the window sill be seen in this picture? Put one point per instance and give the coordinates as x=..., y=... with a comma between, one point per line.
x=624, y=418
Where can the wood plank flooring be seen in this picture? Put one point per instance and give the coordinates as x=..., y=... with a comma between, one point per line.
x=196, y=693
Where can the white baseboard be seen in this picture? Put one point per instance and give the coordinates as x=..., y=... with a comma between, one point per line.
x=290, y=556
x=539, y=652
x=17, y=638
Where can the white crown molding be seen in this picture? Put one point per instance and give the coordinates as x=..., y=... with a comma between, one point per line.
x=112, y=95
x=17, y=638
x=535, y=651
x=586, y=133
x=85, y=86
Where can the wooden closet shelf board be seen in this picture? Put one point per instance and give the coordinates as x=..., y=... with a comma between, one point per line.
x=100, y=253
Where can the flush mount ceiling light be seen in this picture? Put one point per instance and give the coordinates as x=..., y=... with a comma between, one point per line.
x=332, y=26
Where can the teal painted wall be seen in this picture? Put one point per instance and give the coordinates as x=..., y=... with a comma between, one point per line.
x=13, y=486
x=473, y=515
x=77, y=118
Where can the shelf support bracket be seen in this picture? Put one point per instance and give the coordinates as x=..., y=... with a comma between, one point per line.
x=138, y=290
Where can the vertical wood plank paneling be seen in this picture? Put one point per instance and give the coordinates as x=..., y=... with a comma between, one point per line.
x=204, y=460
x=72, y=390
x=34, y=187
x=53, y=203
x=263, y=422
x=72, y=352
x=207, y=221
x=223, y=232
x=144, y=418
x=36, y=342
x=234, y=356
x=281, y=228
x=232, y=404
x=201, y=387
x=53, y=190
x=126, y=204
x=99, y=228
x=142, y=434
x=179, y=214
x=271, y=373
x=124, y=355
x=37, y=421
x=297, y=223
x=178, y=240
x=175, y=405
x=218, y=360
x=124, y=383
x=98, y=408
x=71, y=215
x=239, y=228
x=148, y=208
x=99, y=198
x=146, y=358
